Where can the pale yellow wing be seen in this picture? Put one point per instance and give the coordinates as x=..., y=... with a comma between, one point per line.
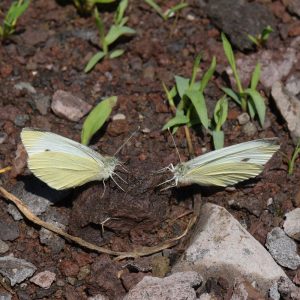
x=62, y=170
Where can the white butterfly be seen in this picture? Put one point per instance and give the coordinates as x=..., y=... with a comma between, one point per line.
x=225, y=166
x=63, y=163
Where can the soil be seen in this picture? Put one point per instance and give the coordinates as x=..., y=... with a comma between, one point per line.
x=50, y=50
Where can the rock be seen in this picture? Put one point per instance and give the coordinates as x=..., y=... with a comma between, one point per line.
x=287, y=289
x=3, y=137
x=243, y=290
x=292, y=84
x=5, y=296
x=16, y=269
x=42, y=103
x=68, y=106
x=83, y=272
x=98, y=297
x=21, y=120
x=239, y=18
x=118, y=117
x=222, y=247
x=3, y=247
x=69, y=267
x=117, y=127
x=176, y=287
x=243, y=118
x=293, y=7
x=29, y=191
x=283, y=249
x=207, y=296
x=249, y=129
x=289, y=107
x=274, y=66
x=291, y=224
x=9, y=231
x=25, y=86
x=44, y=279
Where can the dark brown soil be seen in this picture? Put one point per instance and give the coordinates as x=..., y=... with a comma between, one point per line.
x=50, y=51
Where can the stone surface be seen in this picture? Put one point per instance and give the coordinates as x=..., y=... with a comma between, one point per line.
x=42, y=103
x=289, y=107
x=25, y=86
x=44, y=279
x=68, y=106
x=292, y=84
x=3, y=247
x=294, y=7
x=176, y=287
x=5, y=296
x=222, y=247
x=243, y=118
x=283, y=248
x=243, y=290
x=9, y=231
x=16, y=269
x=238, y=18
x=291, y=224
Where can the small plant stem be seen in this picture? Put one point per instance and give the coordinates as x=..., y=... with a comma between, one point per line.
x=189, y=141
x=291, y=162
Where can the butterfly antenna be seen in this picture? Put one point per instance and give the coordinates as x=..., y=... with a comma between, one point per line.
x=128, y=139
x=175, y=145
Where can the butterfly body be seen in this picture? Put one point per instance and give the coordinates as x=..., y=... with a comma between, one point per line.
x=63, y=163
x=225, y=166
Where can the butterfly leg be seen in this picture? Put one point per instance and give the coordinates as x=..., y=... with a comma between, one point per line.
x=116, y=183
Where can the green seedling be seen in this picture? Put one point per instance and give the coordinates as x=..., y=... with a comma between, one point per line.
x=85, y=7
x=191, y=107
x=260, y=39
x=291, y=161
x=169, y=13
x=248, y=98
x=15, y=11
x=117, y=30
x=96, y=118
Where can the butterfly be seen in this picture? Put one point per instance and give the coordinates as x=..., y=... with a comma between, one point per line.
x=63, y=163
x=224, y=167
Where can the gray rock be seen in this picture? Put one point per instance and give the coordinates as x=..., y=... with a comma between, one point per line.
x=243, y=118
x=249, y=129
x=291, y=224
x=3, y=247
x=176, y=287
x=294, y=7
x=221, y=247
x=292, y=84
x=9, y=231
x=44, y=279
x=207, y=296
x=20, y=120
x=42, y=103
x=36, y=195
x=68, y=106
x=16, y=269
x=25, y=86
x=98, y=297
x=238, y=18
x=289, y=107
x=287, y=289
x=3, y=137
x=5, y=296
x=283, y=248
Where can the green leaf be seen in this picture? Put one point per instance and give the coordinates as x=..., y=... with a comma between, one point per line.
x=255, y=77
x=120, y=11
x=170, y=95
x=116, y=53
x=254, y=40
x=208, y=74
x=97, y=118
x=195, y=70
x=156, y=7
x=221, y=112
x=266, y=33
x=251, y=108
x=93, y=61
x=180, y=119
x=259, y=104
x=99, y=25
x=228, y=51
x=218, y=139
x=198, y=101
x=116, y=31
x=170, y=12
x=232, y=95
x=103, y=1
x=182, y=85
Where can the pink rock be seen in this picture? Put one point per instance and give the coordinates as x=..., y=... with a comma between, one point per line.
x=44, y=279
x=68, y=106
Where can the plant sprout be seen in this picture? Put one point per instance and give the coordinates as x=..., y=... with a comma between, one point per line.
x=260, y=39
x=96, y=118
x=169, y=13
x=15, y=11
x=248, y=98
x=85, y=7
x=117, y=30
x=191, y=108
x=291, y=161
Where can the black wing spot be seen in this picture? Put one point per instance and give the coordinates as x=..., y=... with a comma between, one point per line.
x=246, y=159
x=46, y=150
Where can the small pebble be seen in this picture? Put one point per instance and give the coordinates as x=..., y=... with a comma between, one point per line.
x=3, y=137
x=243, y=118
x=146, y=130
x=84, y=272
x=249, y=129
x=119, y=117
x=44, y=279
x=3, y=247
x=71, y=280
x=21, y=120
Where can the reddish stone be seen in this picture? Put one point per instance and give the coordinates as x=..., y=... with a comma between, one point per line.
x=69, y=267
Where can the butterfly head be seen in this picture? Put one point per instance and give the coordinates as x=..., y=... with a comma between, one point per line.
x=111, y=163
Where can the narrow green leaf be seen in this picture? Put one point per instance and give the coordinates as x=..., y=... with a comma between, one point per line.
x=198, y=101
x=254, y=40
x=251, y=108
x=99, y=25
x=116, y=31
x=182, y=85
x=177, y=120
x=156, y=7
x=195, y=70
x=208, y=74
x=116, y=53
x=169, y=96
x=120, y=12
x=97, y=118
x=228, y=51
x=221, y=112
x=259, y=104
x=218, y=139
x=103, y=1
x=170, y=12
x=93, y=61
x=255, y=77
x=232, y=95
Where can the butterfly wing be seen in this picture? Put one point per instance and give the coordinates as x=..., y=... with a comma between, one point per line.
x=227, y=166
x=61, y=162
